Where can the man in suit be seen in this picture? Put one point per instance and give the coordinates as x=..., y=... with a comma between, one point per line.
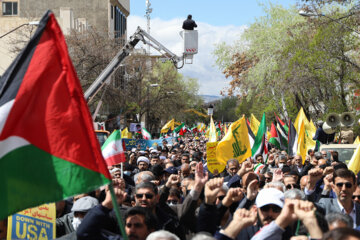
x=298, y=166
x=344, y=185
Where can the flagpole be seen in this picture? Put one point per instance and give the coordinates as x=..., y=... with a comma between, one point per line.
x=117, y=212
x=122, y=170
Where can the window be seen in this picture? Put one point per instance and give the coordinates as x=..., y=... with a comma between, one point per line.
x=9, y=8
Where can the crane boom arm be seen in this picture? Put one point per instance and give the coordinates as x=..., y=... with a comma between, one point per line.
x=139, y=35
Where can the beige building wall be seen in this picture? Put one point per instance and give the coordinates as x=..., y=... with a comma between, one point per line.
x=71, y=15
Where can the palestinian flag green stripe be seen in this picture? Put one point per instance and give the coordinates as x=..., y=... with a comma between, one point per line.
x=51, y=178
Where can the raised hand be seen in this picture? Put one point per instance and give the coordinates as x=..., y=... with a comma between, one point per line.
x=278, y=175
x=245, y=217
x=172, y=180
x=314, y=174
x=212, y=188
x=287, y=215
x=233, y=195
x=201, y=177
x=246, y=167
x=120, y=194
x=304, y=210
x=242, y=218
x=327, y=182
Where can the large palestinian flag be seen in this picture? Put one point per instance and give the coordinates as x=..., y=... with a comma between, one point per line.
x=48, y=148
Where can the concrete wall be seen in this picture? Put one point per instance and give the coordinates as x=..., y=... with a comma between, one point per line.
x=6, y=25
x=95, y=11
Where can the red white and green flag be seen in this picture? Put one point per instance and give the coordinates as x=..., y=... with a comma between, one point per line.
x=48, y=147
x=293, y=140
x=113, y=149
x=258, y=147
x=145, y=134
x=180, y=130
x=274, y=138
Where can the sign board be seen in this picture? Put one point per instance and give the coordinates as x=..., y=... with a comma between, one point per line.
x=134, y=128
x=38, y=223
x=142, y=144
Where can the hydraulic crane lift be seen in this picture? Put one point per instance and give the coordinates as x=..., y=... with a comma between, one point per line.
x=190, y=48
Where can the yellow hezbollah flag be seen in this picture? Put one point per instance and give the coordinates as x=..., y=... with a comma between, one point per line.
x=212, y=132
x=254, y=124
x=310, y=129
x=354, y=164
x=302, y=142
x=357, y=140
x=125, y=133
x=212, y=164
x=235, y=143
x=312, y=126
x=168, y=126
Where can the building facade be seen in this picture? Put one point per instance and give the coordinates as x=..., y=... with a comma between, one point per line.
x=109, y=16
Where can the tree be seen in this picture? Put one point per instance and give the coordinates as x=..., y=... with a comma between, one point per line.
x=172, y=97
x=225, y=108
x=292, y=62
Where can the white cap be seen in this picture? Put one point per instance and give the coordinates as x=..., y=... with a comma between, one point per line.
x=269, y=196
x=142, y=159
x=154, y=151
x=133, y=150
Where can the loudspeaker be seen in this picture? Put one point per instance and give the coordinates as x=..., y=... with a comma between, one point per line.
x=347, y=119
x=327, y=129
x=332, y=120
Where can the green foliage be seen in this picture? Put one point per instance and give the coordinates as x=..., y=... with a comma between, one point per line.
x=300, y=62
x=225, y=109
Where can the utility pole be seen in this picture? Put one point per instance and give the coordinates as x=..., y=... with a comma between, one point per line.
x=147, y=15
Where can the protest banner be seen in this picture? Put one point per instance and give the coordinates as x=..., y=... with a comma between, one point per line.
x=142, y=144
x=213, y=164
x=36, y=223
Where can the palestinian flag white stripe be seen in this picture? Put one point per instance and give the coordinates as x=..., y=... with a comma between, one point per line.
x=10, y=144
x=4, y=113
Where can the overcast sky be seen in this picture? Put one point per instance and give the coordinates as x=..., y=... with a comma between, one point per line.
x=216, y=23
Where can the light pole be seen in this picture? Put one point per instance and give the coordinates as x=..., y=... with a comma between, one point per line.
x=210, y=110
x=312, y=14
x=25, y=24
x=148, y=105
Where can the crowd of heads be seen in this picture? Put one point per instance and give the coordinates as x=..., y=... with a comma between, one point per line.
x=167, y=192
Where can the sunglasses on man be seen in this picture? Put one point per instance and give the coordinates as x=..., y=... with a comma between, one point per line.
x=291, y=186
x=347, y=185
x=356, y=197
x=147, y=195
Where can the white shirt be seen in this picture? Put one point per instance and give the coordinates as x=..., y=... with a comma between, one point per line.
x=352, y=213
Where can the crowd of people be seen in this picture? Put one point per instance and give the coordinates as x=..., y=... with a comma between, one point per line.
x=168, y=193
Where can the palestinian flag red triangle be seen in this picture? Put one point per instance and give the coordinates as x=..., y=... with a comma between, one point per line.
x=48, y=148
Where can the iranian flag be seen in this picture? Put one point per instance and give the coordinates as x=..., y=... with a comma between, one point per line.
x=48, y=147
x=145, y=134
x=113, y=149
